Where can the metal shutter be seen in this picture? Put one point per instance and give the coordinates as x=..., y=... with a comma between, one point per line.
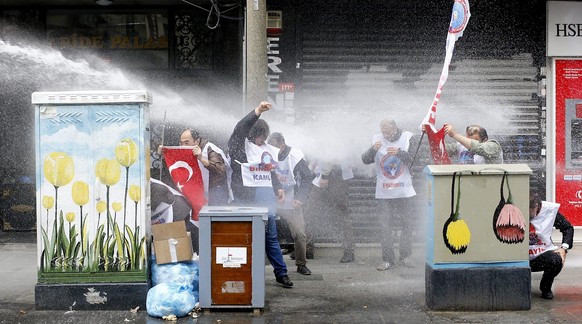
x=385, y=48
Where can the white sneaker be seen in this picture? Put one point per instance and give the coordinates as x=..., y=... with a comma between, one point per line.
x=384, y=266
x=406, y=262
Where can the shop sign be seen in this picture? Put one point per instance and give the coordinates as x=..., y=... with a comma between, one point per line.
x=564, y=28
x=286, y=87
x=117, y=42
x=274, y=59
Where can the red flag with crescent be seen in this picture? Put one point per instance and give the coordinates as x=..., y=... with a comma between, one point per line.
x=185, y=171
x=437, y=146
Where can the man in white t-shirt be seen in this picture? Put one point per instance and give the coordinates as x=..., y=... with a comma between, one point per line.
x=394, y=191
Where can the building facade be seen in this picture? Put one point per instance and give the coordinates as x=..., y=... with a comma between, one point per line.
x=328, y=62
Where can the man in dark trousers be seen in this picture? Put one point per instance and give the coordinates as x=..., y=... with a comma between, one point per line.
x=543, y=254
x=328, y=199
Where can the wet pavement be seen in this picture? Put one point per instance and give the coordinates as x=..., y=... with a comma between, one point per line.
x=334, y=293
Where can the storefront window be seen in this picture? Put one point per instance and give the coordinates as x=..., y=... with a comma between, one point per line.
x=132, y=40
x=193, y=43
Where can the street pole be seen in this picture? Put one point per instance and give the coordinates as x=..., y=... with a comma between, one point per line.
x=255, y=54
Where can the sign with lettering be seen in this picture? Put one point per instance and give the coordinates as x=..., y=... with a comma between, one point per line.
x=286, y=87
x=274, y=60
x=231, y=257
x=564, y=28
x=116, y=42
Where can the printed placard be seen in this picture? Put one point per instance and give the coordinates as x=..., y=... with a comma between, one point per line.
x=231, y=257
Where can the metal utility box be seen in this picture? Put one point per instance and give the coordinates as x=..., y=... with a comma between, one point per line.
x=477, y=255
x=92, y=197
x=232, y=257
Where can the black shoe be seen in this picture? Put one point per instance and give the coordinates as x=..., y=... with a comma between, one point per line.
x=303, y=270
x=348, y=257
x=309, y=255
x=285, y=281
x=547, y=295
x=292, y=255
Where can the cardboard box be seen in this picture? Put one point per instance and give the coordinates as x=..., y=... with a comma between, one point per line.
x=171, y=242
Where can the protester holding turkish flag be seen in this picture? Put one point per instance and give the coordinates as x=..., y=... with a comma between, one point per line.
x=185, y=171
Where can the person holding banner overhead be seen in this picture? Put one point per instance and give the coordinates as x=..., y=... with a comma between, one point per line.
x=394, y=191
x=254, y=181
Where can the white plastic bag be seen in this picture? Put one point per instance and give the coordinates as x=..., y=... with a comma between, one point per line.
x=175, y=288
x=170, y=299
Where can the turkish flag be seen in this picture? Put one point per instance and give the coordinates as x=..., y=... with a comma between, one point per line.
x=185, y=171
x=436, y=141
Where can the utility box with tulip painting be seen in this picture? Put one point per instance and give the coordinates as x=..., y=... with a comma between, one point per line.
x=478, y=237
x=93, y=218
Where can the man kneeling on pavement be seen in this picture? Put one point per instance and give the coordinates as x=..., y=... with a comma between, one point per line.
x=543, y=254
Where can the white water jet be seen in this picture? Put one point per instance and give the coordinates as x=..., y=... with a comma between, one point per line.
x=342, y=133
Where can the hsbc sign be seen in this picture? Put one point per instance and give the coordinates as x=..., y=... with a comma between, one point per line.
x=564, y=28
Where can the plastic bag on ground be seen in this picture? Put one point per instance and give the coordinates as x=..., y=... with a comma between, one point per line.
x=181, y=273
x=175, y=288
x=170, y=299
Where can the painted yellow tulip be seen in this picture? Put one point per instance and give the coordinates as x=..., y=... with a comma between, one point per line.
x=126, y=152
x=48, y=202
x=457, y=235
x=108, y=171
x=58, y=168
x=101, y=206
x=116, y=206
x=135, y=193
x=70, y=216
x=80, y=193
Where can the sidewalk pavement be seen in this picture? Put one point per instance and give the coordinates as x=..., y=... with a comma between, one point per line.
x=334, y=293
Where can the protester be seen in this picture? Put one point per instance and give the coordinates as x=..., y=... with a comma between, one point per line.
x=329, y=197
x=394, y=191
x=543, y=254
x=295, y=177
x=475, y=147
x=170, y=205
x=254, y=181
x=214, y=166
